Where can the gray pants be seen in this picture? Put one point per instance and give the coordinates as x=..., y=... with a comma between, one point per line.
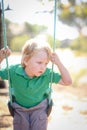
x=34, y=118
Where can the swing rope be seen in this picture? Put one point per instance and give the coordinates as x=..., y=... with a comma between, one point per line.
x=5, y=45
x=54, y=46
x=54, y=35
x=55, y=12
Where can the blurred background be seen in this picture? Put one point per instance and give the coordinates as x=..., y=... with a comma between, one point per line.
x=28, y=19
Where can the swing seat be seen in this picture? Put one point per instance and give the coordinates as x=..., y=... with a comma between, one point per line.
x=11, y=109
x=49, y=107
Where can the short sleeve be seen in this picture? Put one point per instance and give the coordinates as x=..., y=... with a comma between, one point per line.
x=56, y=77
x=4, y=74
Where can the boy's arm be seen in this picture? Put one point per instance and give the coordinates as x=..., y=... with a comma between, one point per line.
x=65, y=76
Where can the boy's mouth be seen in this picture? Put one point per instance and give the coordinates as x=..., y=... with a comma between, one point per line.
x=40, y=72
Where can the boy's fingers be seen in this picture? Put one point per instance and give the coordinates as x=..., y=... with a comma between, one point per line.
x=5, y=52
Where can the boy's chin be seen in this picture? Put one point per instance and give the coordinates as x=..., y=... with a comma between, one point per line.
x=38, y=75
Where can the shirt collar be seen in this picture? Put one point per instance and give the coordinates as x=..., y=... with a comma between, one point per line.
x=20, y=70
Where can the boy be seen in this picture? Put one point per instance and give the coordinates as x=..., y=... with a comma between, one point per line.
x=30, y=81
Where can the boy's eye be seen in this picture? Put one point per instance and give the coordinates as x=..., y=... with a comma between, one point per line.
x=46, y=63
x=39, y=62
x=42, y=63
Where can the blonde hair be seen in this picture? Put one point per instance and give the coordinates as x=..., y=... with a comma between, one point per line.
x=31, y=47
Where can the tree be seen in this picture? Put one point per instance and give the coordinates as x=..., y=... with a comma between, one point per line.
x=2, y=83
x=71, y=12
x=1, y=43
x=74, y=13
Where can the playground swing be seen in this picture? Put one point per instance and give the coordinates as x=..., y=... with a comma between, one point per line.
x=11, y=97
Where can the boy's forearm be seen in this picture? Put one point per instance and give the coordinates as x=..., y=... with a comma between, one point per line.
x=1, y=59
x=66, y=78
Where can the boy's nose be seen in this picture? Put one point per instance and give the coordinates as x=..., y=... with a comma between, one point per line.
x=43, y=67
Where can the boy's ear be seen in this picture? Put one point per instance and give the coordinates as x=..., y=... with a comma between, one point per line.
x=25, y=61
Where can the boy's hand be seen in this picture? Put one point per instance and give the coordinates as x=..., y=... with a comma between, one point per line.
x=4, y=52
x=54, y=58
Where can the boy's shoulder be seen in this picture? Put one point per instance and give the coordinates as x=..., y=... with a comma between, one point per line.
x=17, y=68
x=14, y=67
x=48, y=71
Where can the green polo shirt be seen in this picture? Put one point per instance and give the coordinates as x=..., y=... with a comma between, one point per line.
x=28, y=91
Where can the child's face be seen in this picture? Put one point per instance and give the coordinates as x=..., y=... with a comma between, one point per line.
x=37, y=64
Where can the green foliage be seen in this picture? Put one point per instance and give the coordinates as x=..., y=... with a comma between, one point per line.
x=18, y=42
x=73, y=13
x=50, y=40
x=24, y=32
x=65, y=12
x=79, y=75
x=81, y=10
x=34, y=30
x=8, y=32
x=79, y=44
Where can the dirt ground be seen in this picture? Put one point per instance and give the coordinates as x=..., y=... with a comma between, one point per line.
x=69, y=110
